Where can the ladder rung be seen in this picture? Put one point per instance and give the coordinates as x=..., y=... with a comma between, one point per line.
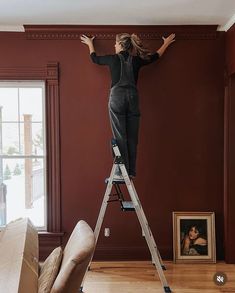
x=127, y=206
x=114, y=181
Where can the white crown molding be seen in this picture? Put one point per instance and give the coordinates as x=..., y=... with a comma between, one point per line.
x=227, y=25
x=11, y=28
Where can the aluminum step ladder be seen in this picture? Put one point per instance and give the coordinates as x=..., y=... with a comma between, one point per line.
x=133, y=205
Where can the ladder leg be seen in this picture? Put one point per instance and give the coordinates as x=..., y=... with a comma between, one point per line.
x=119, y=192
x=160, y=258
x=150, y=241
x=158, y=253
x=153, y=240
x=145, y=227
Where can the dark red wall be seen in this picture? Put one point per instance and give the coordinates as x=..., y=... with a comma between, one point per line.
x=180, y=158
x=229, y=154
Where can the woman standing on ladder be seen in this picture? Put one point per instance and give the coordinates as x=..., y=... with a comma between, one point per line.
x=124, y=99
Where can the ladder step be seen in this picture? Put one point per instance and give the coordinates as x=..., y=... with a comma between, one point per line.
x=127, y=206
x=114, y=181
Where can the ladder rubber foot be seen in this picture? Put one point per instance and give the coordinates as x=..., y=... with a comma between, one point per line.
x=167, y=289
x=163, y=267
x=81, y=290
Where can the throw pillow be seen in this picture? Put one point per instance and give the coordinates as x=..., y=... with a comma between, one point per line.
x=49, y=270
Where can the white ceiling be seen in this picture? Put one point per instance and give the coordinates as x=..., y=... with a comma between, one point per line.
x=15, y=13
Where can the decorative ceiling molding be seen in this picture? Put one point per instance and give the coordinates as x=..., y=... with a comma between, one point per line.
x=188, y=32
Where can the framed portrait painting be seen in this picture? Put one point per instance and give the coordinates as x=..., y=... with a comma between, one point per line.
x=194, y=237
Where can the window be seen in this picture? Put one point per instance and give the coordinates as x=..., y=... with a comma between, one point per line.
x=23, y=152
x=49, y=74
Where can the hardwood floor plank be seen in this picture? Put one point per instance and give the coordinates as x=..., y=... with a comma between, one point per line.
x=142, y=277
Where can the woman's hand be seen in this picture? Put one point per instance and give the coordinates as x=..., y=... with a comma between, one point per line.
x=167, y=41
x=170, y=39
x=187, y=241
x=86, y=40
x=186, y=245
x=89, y=42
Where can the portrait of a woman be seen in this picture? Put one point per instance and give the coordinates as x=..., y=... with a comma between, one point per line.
x=194, y=240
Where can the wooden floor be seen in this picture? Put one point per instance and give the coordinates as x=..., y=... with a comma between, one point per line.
x=142, y=277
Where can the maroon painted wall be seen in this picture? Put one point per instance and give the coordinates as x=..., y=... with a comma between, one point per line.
x=229, y=154
x=229, y=171
x=180, y=158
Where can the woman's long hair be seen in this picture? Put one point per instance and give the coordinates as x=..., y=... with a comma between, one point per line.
x=133, y=44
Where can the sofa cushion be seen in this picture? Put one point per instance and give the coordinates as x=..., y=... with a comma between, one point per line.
x=76, y=257
x=49, y=270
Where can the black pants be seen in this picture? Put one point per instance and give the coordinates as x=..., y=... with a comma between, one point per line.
x=124, y=117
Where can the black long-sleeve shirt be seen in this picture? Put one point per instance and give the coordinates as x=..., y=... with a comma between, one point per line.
x=113, y=61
